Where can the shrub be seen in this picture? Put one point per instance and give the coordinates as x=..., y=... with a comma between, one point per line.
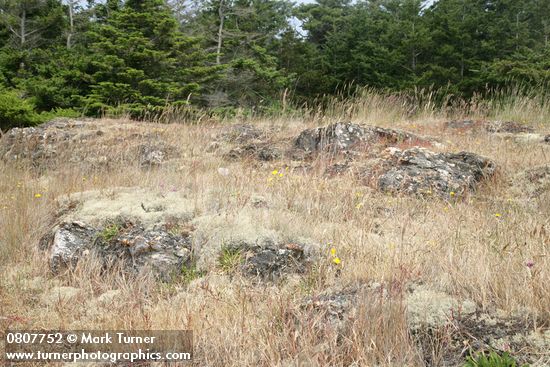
x=16, y=111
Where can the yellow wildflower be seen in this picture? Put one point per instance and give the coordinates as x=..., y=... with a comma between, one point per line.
x=498, y=215
x=336, y=260
x=452, y=193
x=38, y=196
x=280, y=175
x=333, y=251
x=274, y=172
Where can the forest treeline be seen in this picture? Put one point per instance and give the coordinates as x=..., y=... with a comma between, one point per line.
x=142, y=56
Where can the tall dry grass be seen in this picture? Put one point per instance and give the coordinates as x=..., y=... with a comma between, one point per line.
x=461, y=248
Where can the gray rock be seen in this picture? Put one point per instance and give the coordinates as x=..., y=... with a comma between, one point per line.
x=344, y=136
x=547, y=139
x=137, y=248
x=241, y=133
x=250, y=248
x=508, y=127
x=532, y=182
x=420, y=171
x=273, y=261
x=151, y=155
x=86, y=143
x=339, y=136
x=260, y=150
x=339, y=306
x=69, y=241
x=430, y=315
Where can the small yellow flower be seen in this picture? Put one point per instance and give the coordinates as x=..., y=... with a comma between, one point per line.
x=38, y=196
x=359, y=206
x=333, y=251
x=336, y=260
x=498, y=215
x=280, y=175
x=452, y=193
x=274, y=173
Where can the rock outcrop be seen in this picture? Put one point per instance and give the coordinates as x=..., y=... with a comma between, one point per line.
x=420, y=171
x=344, y=136
x=137, y=230
x=254, y=250
x=241, y=133
x=508, y=127
x=88, y=143
x=127, y=244
x=533, y=182
x=459, y=324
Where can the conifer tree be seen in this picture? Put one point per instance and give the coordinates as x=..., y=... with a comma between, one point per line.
x=142, y=62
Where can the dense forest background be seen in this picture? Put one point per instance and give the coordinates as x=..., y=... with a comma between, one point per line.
x=140, y=57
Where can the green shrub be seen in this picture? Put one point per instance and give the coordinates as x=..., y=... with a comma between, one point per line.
x=16, y=111
x=492, y=359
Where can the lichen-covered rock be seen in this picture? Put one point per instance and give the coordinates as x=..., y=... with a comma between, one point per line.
x=344, y=136
x=339, y=136
x=260, y=252
x=136, y=228
x=508, y=127
x=532, y=182
x=525, y=138
x=272, y=262
x=241, y=133
x=458, y=326
x=38, y=143
x=137, y=248
x=428, y=309
x=339, y=306
x=69, y=241
x=261, y=151
x=86, y=143
x=151, y=155
x=420, y=171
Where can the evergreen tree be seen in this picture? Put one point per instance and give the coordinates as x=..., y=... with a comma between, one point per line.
x=244, y=34
x=142, y=62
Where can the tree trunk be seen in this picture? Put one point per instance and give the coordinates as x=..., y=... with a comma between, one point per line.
x=220, y=32
x=23, y=32
x=71, y=24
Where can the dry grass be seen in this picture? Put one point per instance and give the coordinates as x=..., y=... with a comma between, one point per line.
x=461, y=248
